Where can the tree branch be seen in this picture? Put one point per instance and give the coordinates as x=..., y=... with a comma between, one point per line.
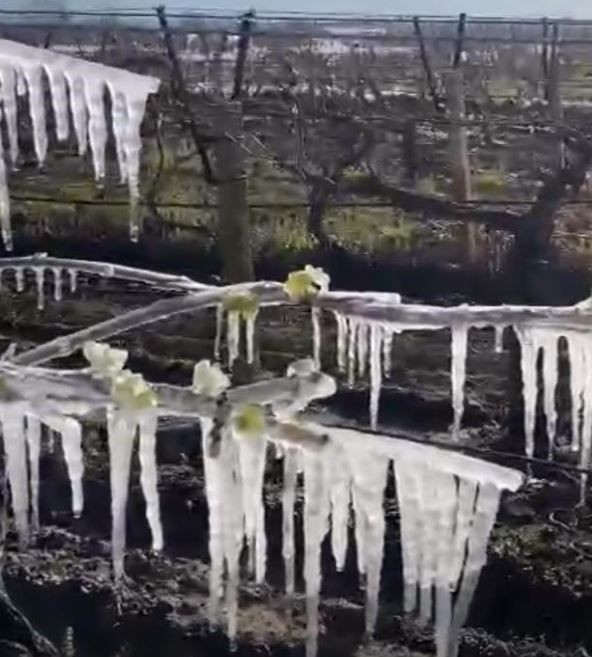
x=179, y=90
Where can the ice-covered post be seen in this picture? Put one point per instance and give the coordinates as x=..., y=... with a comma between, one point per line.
x=233, y=209
x=459, y=153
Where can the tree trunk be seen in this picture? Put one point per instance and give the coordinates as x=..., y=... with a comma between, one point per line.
x=233, y=211
x=318, y=201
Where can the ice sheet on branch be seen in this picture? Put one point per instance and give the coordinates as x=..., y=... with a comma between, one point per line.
x=76, y=86
x=448, y=505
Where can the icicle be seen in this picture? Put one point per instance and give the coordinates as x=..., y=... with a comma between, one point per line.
x=408, y=483
x=339, y=480
x=499, y=338
x=218, y=338
x=79, y=112
x=33, y=435
x=19, y=276
x=362, y=347
x=387, y=346
x=250, y=338
x=57, y=283
x=119, y=115
x=132, y=144
x=458, y=371
x=252, y=453
x=39, y=280
x=226, y=524
x=288, y=499
x=21, y=84
x=341, y=340
x=37, y=110
x=13, y=432
x=59, y=101
x=528, y=361
x=578, y=364
x=550, y=376
x=94, y=88
x=233, y=336
x=351, y=350
x=122, y=431
x=316, y=332
x=369, y=480
x=73, y=276
x=376, y=336
x=315, y=514
x=147, y=423
x=5, y=224
x=485, y=513
x=8, y=101
x=71, y=431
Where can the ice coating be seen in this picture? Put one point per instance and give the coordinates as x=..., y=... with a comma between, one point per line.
x=22, y=69
x=33, y=436
x=147, y=424
x=121, y=429
x=457, y=375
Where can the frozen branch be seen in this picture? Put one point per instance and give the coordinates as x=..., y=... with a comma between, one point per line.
x=105, y=270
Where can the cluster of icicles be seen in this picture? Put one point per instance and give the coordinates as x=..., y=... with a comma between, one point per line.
x=21, y=426
x=77, y=89
x=366, y=346
x=448, y=504
x=56, y=278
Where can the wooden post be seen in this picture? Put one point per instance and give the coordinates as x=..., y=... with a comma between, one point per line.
x=459, y=153
x=554, y=94
x=233, y=210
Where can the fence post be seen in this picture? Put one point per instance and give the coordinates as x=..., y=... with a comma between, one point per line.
x=554, y=94
x=233, y=210
x=459, y=153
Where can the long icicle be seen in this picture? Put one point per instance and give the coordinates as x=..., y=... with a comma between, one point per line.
x=458, y=374
x=147, y=423
x=33, y=435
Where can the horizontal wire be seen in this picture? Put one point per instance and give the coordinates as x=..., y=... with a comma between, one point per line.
x=472, y=204
x=296, y=16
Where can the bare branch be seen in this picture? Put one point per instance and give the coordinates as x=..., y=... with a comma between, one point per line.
x=180, y=93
